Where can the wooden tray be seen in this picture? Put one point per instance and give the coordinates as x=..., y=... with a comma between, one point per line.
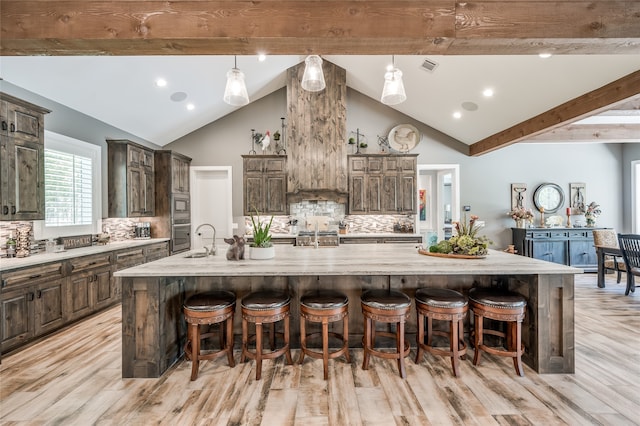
x=452, y=256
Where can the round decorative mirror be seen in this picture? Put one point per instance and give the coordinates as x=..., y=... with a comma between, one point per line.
x=548, y=196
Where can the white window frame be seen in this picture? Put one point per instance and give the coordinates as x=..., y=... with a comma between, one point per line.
x=69, y=145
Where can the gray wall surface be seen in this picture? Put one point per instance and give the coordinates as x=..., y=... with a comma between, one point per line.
x=71, y=123
x=485, y=181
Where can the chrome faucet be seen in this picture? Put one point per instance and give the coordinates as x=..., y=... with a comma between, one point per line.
x=213, y=244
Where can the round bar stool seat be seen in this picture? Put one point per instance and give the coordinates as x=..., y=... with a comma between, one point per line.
x=265, y=307
x=324, y=306
x=500, y=306
x=444, y=305
x=386, y=306
x=213, y=307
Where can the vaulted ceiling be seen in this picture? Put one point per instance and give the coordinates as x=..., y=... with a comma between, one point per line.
x=350, y=29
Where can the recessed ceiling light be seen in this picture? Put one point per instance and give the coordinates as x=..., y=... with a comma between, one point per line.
x=544, y=55
x=161, y=82
x=487, y=93
x=191, y=107
x=262, y=57
x=457, y=114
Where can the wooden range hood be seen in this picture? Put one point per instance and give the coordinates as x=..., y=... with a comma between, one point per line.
x=316, y=135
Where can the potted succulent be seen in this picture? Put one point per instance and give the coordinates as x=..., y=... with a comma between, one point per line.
x=262, y=246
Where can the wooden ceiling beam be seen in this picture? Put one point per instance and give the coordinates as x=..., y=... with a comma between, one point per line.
x=606, y=97
x=149, y=27
x=601, y=133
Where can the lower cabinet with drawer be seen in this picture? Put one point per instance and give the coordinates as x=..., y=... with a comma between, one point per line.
x=567, y=246
x=37, y=300
x=32, y=304
x=90, y=285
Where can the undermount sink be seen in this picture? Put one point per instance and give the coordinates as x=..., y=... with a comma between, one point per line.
x=195, y=255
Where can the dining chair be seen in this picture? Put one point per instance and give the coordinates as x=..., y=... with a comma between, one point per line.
x=606, y=241
x=630, y=247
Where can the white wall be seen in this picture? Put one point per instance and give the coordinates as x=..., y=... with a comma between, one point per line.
x=485, y=181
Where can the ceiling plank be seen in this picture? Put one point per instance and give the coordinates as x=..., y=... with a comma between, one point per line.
x=605, y=97
x=601, y=133
x=149, y=27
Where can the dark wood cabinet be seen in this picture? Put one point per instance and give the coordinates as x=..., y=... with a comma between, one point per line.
x=173, y=204
x=31, y=304
x=131, y=179
x=567, y=246
x=382, y=184
x=21, y=159
x=265, y=184
x=90, y=285
x=40, y=299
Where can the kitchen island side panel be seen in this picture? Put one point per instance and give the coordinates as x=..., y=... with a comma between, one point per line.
x=154, y=331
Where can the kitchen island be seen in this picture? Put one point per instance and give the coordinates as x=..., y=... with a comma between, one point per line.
x=153, y=329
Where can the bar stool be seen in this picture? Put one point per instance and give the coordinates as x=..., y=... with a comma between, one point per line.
x=214, y=307
x=324, y=306
x=387, y=306
x=500, y=306
x=265, y=307
x=444, y=305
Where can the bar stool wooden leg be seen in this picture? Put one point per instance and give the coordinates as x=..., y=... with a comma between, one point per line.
x=258, y=350
x=195, y=350
x=420, y=339
x=400, y=348
x=368, y=344
x=478, y=338
x=303, y=339
x=287, y=353
x=230, y=342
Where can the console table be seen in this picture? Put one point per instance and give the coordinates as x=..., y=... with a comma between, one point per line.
x=567, y=246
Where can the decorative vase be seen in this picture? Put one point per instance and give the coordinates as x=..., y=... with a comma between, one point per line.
x=591, y=221
x=520, y=223
x=262, y=253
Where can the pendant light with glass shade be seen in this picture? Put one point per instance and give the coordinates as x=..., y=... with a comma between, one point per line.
x=235, y=92
x=393, y=90
x=313, y=77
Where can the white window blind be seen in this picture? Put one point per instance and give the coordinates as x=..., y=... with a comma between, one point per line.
x=72, y=188
x=67, y=188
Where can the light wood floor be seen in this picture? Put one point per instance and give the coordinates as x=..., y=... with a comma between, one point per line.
x=74, y=378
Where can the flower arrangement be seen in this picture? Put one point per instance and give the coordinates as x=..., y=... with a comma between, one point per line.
x=466, y=241
x=591, y=213
x=593, y=210
x=520, y=213
x=261, y=235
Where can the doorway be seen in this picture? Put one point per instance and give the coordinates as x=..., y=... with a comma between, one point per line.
x=211, y=202
x=439, y=195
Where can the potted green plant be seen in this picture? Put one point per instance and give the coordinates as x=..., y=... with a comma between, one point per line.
x=262, y=246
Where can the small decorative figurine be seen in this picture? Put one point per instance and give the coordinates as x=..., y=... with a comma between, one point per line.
x=236, y=248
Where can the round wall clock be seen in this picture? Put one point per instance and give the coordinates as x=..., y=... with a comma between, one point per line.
x=404, y=137
x=549, y=196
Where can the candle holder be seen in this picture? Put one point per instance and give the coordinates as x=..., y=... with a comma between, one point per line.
x=542, y=225
x=569, y=219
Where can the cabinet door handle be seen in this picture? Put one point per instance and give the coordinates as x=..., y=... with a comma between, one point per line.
x=13, y=127
x=4, y=125
x=5, y=210
x=32, y=277
x=39, y=296
x=13, y=209
x=30, y=297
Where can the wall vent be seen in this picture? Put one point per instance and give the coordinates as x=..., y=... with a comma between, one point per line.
x=428, y=65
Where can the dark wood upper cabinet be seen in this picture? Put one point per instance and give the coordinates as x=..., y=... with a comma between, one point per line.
x=131, y=179
x=21, y=159
x=382, y=183
x=265, y=184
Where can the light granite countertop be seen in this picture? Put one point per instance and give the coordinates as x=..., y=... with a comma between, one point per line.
x=41, y=258
x=361, y=259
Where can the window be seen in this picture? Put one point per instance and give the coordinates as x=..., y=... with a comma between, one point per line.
x=72, y=183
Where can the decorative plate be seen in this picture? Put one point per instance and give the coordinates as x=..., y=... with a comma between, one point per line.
x=450, y=255
x=404, y=137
